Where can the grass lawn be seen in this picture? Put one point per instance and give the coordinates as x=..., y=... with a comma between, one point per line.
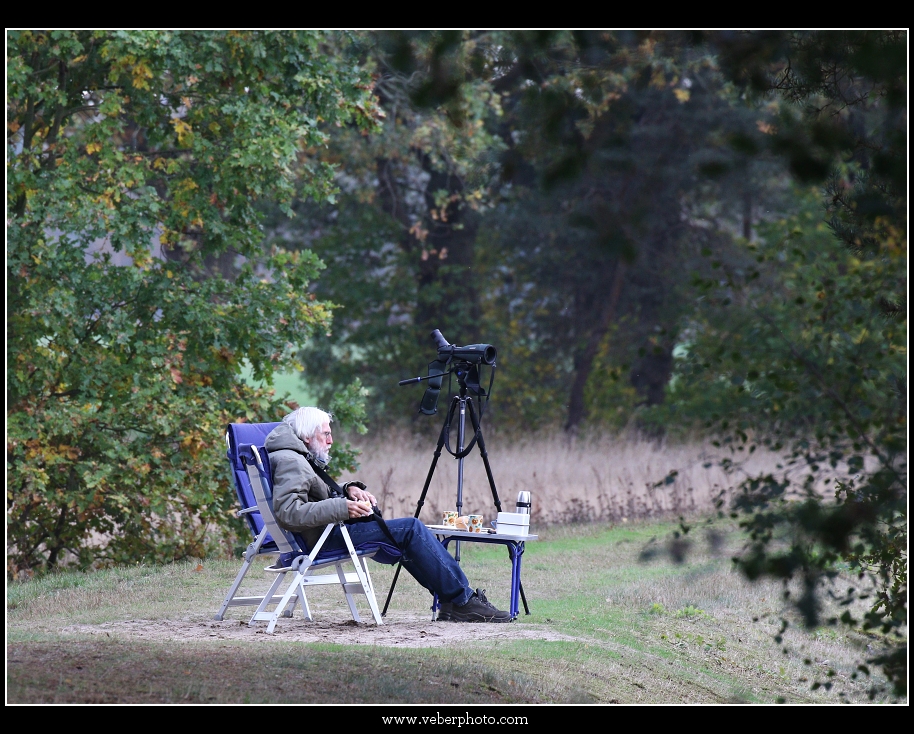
x=609, y=623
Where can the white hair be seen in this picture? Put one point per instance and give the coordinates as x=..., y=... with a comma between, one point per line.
x=305, y=422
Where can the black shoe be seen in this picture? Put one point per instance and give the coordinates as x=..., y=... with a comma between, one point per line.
x=479, y=609
x=444, y=611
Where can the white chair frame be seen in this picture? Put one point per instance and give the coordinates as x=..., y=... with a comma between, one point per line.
x=303, y=567
x=254, y=550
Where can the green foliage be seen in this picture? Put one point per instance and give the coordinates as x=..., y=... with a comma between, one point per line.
x=803, y=361
x=369, y=283
x=800, y=343
x=457, y=216
x=349, y=410
x=136, y=160
x=399, y=242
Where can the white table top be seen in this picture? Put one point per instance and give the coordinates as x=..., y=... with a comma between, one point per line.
x=452, y=533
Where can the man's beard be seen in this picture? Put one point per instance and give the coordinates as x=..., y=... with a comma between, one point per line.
x=321, y=456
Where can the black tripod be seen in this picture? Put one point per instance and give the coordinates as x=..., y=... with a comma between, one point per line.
x=462, y=403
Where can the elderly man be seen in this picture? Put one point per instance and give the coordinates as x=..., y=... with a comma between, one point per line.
x=305, y=505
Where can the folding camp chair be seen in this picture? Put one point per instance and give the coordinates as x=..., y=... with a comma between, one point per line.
x=254, y=487
x=239, y=437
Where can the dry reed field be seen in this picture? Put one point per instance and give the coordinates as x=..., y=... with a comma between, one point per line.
x=609, y=478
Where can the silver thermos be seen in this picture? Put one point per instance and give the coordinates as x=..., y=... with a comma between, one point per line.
x=523, y=503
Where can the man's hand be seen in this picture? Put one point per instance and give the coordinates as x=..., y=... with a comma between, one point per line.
x=359, y=508
x=357, y=494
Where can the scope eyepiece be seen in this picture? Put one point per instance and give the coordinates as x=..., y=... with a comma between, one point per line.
x=440, y=341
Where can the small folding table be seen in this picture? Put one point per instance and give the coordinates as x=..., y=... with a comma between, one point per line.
x=515, y=545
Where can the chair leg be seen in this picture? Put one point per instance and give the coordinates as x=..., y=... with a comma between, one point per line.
x=274, y=616
x=372, y=600
x=261, y=612
x=350, y=599
x=364, y=579
x=364, y=563
x=250, y=554
x=302, y=568
x=220, y=615
x=305, y=607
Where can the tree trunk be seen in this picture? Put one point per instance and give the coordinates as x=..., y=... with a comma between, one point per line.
x=583, y=362
x=652, y=373
x=747, y=215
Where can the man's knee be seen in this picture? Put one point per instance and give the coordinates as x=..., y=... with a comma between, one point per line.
x=411, y=526
x=416, y=525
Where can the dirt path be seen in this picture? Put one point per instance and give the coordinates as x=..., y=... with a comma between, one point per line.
x=399, y=629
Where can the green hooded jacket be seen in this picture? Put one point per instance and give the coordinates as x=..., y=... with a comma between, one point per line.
x=301, y=500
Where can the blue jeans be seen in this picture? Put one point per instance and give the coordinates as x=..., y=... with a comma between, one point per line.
x=426, y=559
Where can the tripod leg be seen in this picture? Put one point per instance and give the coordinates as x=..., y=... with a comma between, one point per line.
x=485, y=455
x=428, y=481
x=391, y=592
x=431, y=469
